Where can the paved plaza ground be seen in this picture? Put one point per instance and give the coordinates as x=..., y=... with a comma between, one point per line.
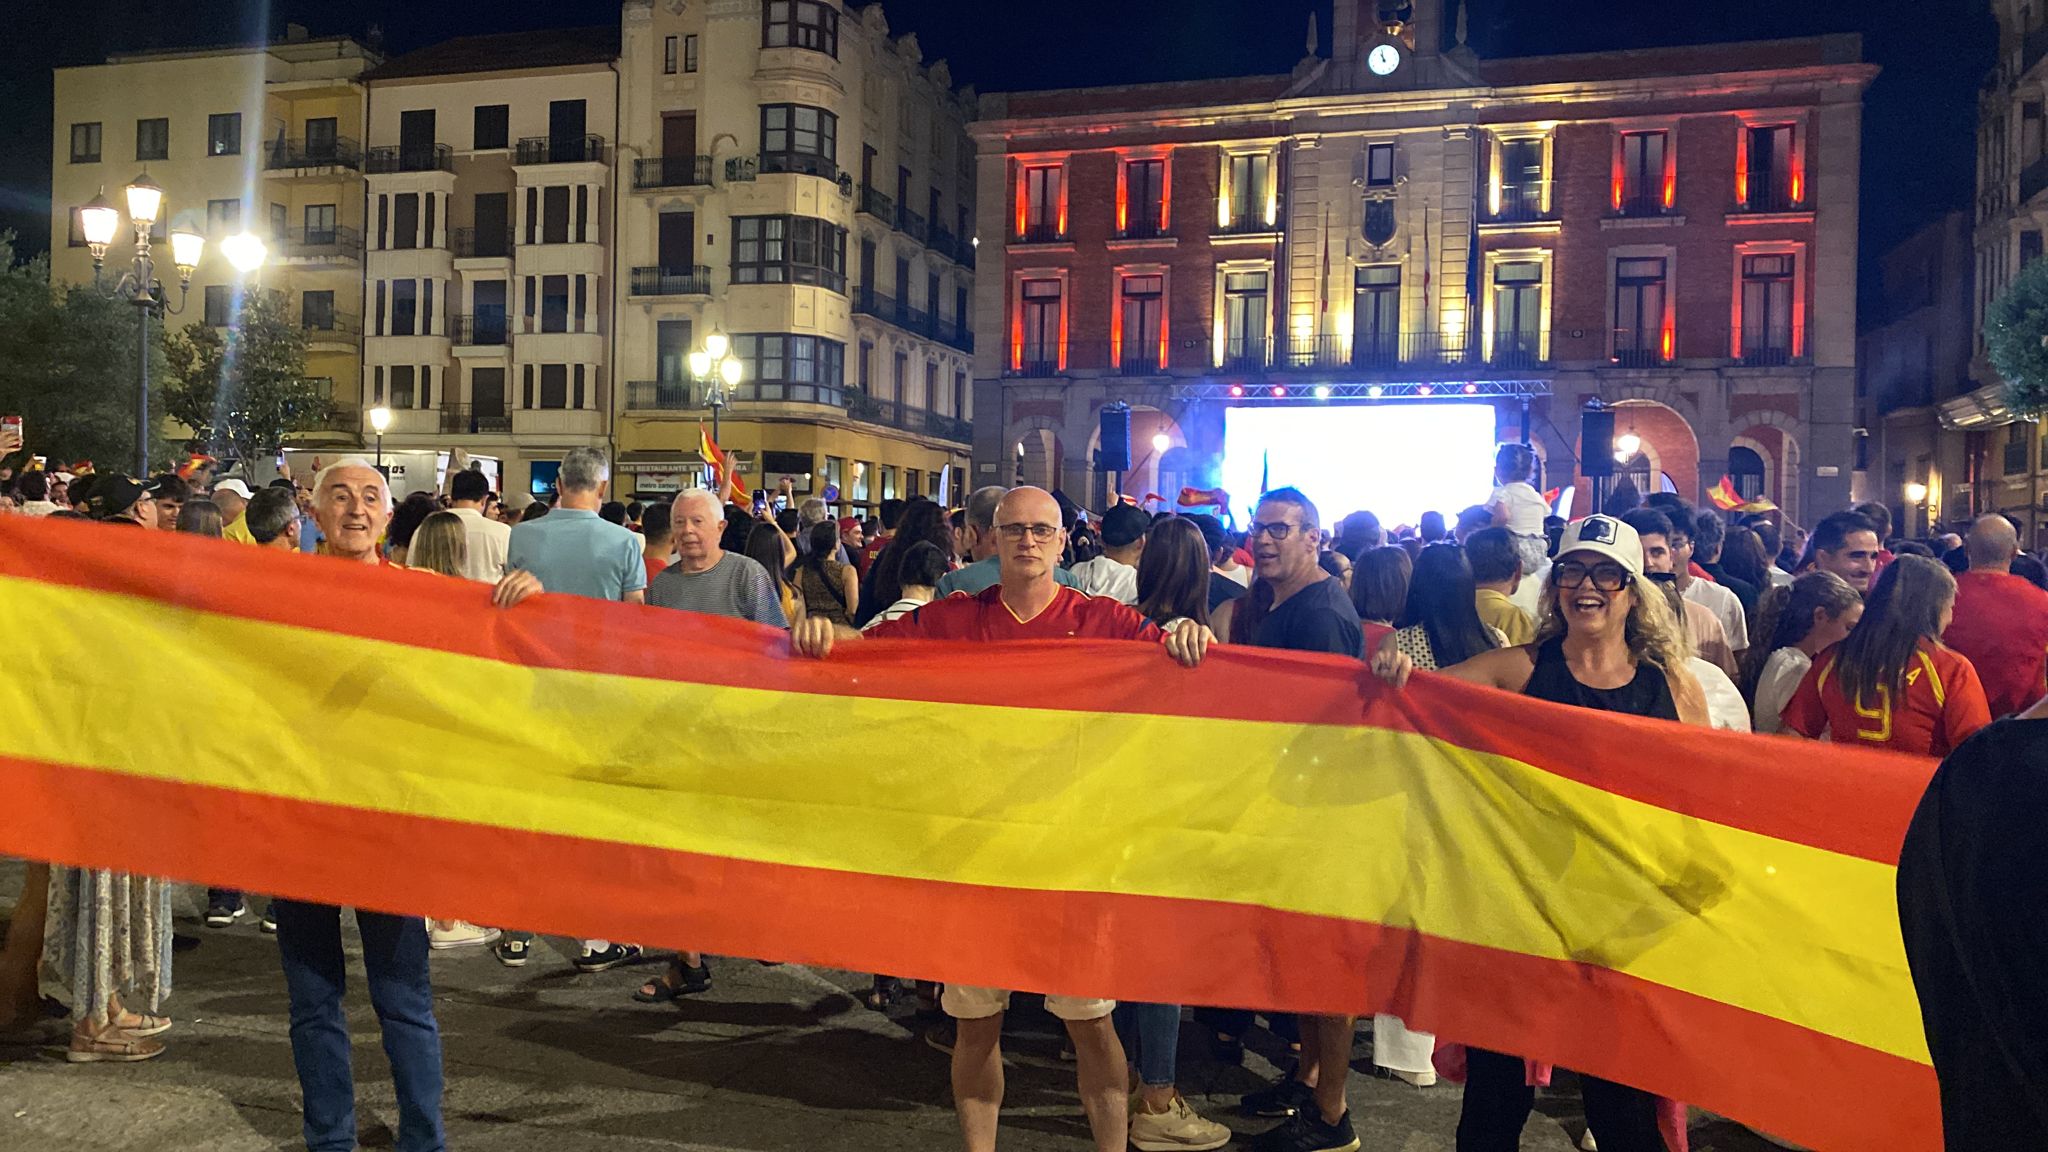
x=773, y=1059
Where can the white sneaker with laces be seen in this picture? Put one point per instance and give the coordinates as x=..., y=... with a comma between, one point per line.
x=1423, y=1079
x=462, y=935
x=1178, y=1129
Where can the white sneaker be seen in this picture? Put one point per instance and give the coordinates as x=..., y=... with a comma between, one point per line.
x=1177, y=1129
x=1423, y=1079
x=1586, y=1142
x=463, y=935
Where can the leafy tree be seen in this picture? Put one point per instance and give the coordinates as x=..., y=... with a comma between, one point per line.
x=68, y=366
x=243, y=392
x=2016, y=338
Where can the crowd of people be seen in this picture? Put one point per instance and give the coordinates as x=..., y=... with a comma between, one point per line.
x=1647, y=607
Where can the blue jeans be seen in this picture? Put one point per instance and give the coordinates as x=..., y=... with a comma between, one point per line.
x=395, y=954
x=1151, y=1036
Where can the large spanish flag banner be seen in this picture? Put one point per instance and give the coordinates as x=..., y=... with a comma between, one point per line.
x=1704, y=915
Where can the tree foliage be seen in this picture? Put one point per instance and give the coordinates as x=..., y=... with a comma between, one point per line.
x=244, y=391
x=68, y=366
x=2016, y=338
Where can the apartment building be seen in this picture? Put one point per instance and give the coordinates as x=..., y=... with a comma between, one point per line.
x=1671, y=231
x=795, y=178
x=487, y=293
x=266, y=139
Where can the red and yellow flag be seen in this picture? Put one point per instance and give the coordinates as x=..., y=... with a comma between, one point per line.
x=1727, y=499
x=1696, y=913
x=1204, y=498
x=721, y=465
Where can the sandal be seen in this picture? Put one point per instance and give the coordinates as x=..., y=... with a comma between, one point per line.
x=144, y=1024
x=884, y=993
x=112, y=1046
x=678, y=981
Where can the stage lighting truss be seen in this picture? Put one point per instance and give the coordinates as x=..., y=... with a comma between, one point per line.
x=1334, y=392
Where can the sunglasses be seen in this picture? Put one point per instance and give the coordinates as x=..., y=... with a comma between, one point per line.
x=1607, y=576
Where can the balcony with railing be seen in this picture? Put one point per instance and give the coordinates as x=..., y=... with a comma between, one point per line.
x=943, y=242
x=800, y=163
x=665, y=396
x=323, y=245
x=1524, y=203
x=589, y=149
x=1041, y=232
x=1247, y=224
x=657, y=280
x=2033, y=178
x=1145, y=229
x=1644, y=202
x=921, y=421
x=329, y=327
x=480, y=329
x=329, y=152
x=912, y=225
x=387, y=159
x=1767, y=196
x=671, y=172
x=473, y=420
x=1769, y=346
x=874, y=202
x=473, y=243
x=1638, y=349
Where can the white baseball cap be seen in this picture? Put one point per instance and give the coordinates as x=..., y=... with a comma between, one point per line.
x=235, y=486
x=1605, y=536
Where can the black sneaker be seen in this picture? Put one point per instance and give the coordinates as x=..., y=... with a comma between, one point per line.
x=1284, y=1097
x=511, y=951
x=941, y=1036
x=1306, y=1132
x=608, y=959
x=222, y=915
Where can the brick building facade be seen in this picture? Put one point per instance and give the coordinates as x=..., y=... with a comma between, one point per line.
x=1672, y=231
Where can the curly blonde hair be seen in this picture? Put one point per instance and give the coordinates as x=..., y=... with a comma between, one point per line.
x=1654, y=634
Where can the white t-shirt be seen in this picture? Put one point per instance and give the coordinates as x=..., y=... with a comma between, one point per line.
x=1526, y=508
x=1775, y=685
x=488, y=541
x=1725, y=708
x=1726, y=607
x=903, y=607
x=1103, y=576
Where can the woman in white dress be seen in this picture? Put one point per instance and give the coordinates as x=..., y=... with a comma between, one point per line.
x=1794, y=624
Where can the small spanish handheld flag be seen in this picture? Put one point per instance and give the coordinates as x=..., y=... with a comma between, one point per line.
x=193, y=464
x=1725, y=498
x=1204, y=498
x=721, y=464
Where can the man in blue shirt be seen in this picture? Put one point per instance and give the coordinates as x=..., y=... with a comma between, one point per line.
x=570, y=549
x=986, y=572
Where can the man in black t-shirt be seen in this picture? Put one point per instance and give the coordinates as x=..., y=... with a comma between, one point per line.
x=1222, y=589
x=1310, y=613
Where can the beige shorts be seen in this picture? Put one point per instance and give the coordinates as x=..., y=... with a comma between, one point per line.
x=964, y=1002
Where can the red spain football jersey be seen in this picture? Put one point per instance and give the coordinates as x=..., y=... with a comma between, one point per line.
x=1942, y=704
x=986, y=617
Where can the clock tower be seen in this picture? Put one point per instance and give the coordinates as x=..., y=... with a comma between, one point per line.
x=1380, y=45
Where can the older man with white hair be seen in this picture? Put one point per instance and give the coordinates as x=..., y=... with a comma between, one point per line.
x=353, y=506
x=705, y=577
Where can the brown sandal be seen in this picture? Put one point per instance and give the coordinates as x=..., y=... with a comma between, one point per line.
x=112, y=1046
x=144, y=1025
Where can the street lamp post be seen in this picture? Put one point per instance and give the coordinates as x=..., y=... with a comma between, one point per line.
x=380, y=422
x=711, y=365
x=99, y=220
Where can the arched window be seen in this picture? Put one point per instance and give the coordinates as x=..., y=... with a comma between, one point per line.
x=1746, y=468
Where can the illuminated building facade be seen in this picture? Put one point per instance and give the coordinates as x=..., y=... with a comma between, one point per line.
x=1672, y=231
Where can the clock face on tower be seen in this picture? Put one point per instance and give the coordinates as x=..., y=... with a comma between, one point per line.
x=1383, y=60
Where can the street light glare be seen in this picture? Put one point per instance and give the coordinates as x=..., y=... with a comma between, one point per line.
x=185, y=250
x=716, y=344
x=99, y=220
x=1161, y=442
x=700, y=364
x=1916, y=493
x=380, y=419
x=245, y=251
x=145, y=200
x=732, y=370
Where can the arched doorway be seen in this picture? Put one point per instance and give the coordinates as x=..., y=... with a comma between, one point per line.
x=1156, y=441
x=1746, y=471
x=1039, y=457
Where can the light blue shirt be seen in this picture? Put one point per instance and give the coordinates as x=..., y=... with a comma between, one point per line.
x=571, y=550
x=982, y=575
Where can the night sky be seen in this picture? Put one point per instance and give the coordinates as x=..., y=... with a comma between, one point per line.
x=1919, y=123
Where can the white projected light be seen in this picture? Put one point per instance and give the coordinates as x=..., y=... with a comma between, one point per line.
x=1396, y=460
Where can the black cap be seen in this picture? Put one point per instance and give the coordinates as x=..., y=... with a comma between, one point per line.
x=114, y=495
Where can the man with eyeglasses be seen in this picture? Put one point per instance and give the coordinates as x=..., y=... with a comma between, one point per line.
x=1310, y=612
x=1026, y=604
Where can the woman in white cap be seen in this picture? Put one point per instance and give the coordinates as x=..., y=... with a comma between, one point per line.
x=1606, y=640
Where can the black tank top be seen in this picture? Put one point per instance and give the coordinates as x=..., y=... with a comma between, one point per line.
x=1649, y=694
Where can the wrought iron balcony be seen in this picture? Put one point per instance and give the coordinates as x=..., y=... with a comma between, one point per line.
x=1523, y=203
x=425, y=158
x=480, y=329
x=323, y=244
x=875, y=203
x=472, y=420
x=559, y=150
x=671, y=172
x=662, y=281
x=332, y=152
x=473, y=243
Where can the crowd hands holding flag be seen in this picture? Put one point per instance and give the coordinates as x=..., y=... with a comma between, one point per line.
x=1731, y=617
